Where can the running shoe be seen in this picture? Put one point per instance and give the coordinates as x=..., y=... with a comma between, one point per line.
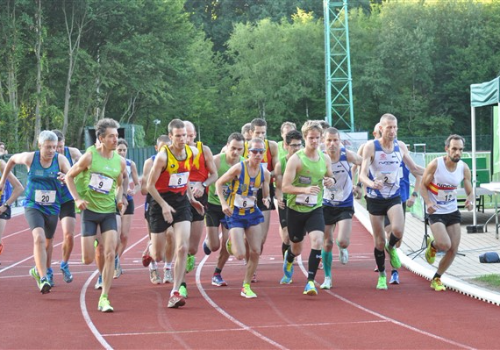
x=50, y=276
x=228, y=246
x=430, y=252
x=287, y=267
x=218, y=281
x=154, y=277
x=327, y=284
x=104, y=305
x=118, y=268
x=98, y=283
x=394, y=277
x=382, y=283
x=437, y=285
x=190, y=263
x=44, y=285
x=146, y=259
x=247, y=292
x=176, y=300
x=344, y=256
x=285, y=280
x=206, y=249
x=393, y=254
x=183, y=290
x=67, y=276
x=35, y=275
x=167, y=276
x=310, y=289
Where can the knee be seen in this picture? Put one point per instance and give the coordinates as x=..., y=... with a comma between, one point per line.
x=182, y=249
x=343, y=243
x=193, y=250
x=442, y=246
x=328, y=244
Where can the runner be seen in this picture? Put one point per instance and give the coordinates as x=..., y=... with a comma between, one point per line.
x=380, y=174
x=42, y=204
x=441, y=179
x=202, y=175
x=243, y=216
x=338, y=202
x=215, y=216
x=132, y=186
x=101, y=186
x=168, y=184
x=293, y=143
x=11, y=191
x=306, y=172
x=147, y=260
x=67, y=215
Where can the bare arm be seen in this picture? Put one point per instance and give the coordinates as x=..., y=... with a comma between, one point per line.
x=75, y=154
x=135, y=180
x=17, y=187
x=368, y=153
x=159, y=164
x=426, y=181
x=83, y=164
x=148, y=164
x=469, y=204
x=273, y=147
x=25, y=158
x=292, y=167
x=408, y=160
x=229, y=176
x=353, y=158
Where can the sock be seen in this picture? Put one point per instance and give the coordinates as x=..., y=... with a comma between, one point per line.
x=290, y=256
x=104, y=296
x=380, y=259
x=217, y=271
x=327, y=262
x=64, y=264
x=436, y=275
x=153, y=265
x=168, y=266
x=314, y=258
x=393, y=240
x=284, y=248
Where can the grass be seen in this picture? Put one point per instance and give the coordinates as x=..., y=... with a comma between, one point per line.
x=492, y=280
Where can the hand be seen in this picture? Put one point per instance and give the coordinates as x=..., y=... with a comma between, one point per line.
x=378, y=185
x=410, y=202
x=266, y=201
x=198, y=206
x=168, y=212
x=61, y=177
x=227, y=210
x=121, y=207
x=313, y=190
x=469, y=205
x=131, y=191
x=431, y=208
x=329, y=182
x=357, y=192
x=281, y=203
x=2, y=209
x=198, y=190
x=81, y=204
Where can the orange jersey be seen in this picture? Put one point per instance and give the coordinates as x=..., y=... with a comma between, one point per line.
x=175, y=176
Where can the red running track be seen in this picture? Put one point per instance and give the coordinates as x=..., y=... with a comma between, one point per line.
x=353, y=315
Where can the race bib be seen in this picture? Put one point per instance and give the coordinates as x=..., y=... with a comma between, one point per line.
x=333, y=194
x=309, y=200
x=446, y=196
x=178, y=180
x=100, y=183
x=388, y=177
x=45, y=197
x=244, y=202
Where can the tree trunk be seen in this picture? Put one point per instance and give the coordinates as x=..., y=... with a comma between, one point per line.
x=38, y=53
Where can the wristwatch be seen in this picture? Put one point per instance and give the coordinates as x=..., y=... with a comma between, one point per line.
x=204, y=185
x=414, y=194
x=6, y=205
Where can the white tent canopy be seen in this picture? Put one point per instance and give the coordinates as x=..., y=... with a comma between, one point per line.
x=481, y=95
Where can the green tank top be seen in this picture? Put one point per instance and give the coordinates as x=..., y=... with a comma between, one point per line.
x=283, y=161
x=311, y=174
x=281, y=150
x=100, y=182
x=223, y=168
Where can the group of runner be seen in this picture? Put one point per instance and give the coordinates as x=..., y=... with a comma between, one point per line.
x=307, y=177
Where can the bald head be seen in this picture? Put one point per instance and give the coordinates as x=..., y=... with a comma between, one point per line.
x=190, y=132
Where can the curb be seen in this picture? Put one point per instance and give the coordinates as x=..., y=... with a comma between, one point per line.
x=451, y=282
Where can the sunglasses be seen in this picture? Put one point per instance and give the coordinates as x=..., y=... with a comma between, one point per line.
x=257, y=150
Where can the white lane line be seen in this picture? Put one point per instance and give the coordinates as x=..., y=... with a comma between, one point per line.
x=15, y=233
x=227, y=315
x=83, y=305
x=374, y=313
x=323, y=324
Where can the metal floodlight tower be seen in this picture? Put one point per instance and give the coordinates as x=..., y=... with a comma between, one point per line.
x=339, y=110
